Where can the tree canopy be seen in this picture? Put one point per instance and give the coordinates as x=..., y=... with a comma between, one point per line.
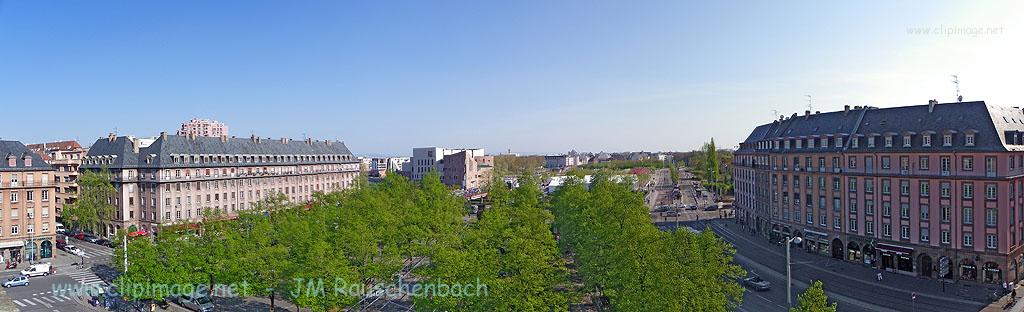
x=813, y=300
x=94, y=202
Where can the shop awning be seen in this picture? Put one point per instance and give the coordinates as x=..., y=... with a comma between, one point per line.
x=894, y=249
x=13, y=244
x=816, y=233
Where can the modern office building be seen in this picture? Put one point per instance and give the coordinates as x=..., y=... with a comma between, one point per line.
x=427, y=159
x=27, y=222
x=380, y=166
x=466, y=169
x=65, y=157
x=172, y=179
x=925, y=190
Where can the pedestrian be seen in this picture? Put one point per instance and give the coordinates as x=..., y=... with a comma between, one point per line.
x=1013, y=295
x=1006, y=288
x=879, y=276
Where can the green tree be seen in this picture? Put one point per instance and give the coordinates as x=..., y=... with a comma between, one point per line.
x=94, y=202
x=813, y=300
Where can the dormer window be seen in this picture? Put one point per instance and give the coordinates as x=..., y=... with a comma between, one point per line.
x=810, y=143
x=947, y=140
x=785, y=144
x=871, y=141
x=11, y=161
x=906, y=141
x=28, y=161
x=839, y=141
x=853, y=142
x=926, y=140
x=798, y=143
x=824, y=142
x=888, y=141
x=969, y=139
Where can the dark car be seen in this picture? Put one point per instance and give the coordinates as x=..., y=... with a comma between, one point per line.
x=756, y=283
x=105, y=242
x=90, y=238
x=711, y=208
x=79, y=236
x=61, y=243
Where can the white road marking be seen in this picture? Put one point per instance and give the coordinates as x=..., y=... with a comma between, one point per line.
x=19, y=303
x=29, y=302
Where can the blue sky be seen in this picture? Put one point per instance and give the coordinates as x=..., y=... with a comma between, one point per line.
x=530, y=76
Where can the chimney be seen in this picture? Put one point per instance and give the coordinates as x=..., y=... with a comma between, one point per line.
x=253, y=138
x=309, y=141
x=223, y=138
x=807, y=114
x=931, y=105
x=328, y=142
x=284, y=140
x=111, y=137
x=163, y=135
x=135, y=145
x=846, y=109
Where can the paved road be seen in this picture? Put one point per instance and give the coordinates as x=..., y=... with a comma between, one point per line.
x=852, y=286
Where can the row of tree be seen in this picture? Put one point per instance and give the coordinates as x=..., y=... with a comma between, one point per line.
x=628, y=263
x=364, y=239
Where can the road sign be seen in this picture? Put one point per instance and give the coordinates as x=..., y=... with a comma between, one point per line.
x=943, y=267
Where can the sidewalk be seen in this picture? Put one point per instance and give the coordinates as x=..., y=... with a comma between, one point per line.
x=1003, y=304
x=59, y=261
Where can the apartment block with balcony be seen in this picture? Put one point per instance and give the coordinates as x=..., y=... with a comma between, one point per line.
x=172, y=179
x=905, y=189
x=65, y=157
x=27, y=221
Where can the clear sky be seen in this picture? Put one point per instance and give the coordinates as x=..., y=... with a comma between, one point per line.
x=530, y=76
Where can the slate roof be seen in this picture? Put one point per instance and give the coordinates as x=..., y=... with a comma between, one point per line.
x=19, y=151
x=164, y=147
x=989, y=123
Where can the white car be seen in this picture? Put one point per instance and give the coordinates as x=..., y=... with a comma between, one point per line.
x=38, y=270
x=71, y=249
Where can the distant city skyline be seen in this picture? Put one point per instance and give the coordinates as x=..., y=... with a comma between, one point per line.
x=534, y=77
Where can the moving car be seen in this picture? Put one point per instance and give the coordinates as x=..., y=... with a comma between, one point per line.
x=90, y=238
x=200, y=303
x=14, y=281
x=105, y=242
x=71, y=249
x=756, y=283
x=39, y=269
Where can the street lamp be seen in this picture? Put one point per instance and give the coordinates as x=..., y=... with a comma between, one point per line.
x=789, y=276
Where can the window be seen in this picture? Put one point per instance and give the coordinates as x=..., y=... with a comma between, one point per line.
x=968, y=239
x=886, y=229
x=924, y=212
x=869, y=185
x=968, y=190
x=851, y=162
x=922, y=162
x=904, y=210
x=991, y=217
x=871, y=141
x=904, y=187
x=944, y=164
x=968, y=163
x=837, y=223
x=925, y=188
x=926, y=140
x=869, y=227
x=852, y=184
x=944, y=189
x=886, y=162
x=945, y=213
x=14, y=230
x=925, y=236
x=990, y=191
x=904, y=232
x=969, y=139
x=14, y=196
x=990, y=165
x=906, y=141
x=888, y=141
x=968, y=215
x=822, y=219
x=990, y=241
x=886, y=209
x=869, y=207
x=853, y=225
x=886, y=186
x=947, y=140
x=854, y=141
x=30, y=196
x=853, y=205
x=944, y=236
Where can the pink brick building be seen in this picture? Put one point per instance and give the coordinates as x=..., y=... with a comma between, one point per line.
x=904, y=189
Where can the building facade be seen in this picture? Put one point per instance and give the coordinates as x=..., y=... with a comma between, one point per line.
x=27, y=218
x=379, y=167
x=427, y=159
x=466, y=169
x=203, y=127
x=65, y=157
x=172, y=179
x=932, y=190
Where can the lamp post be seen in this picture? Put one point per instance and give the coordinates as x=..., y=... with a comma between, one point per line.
x=789, y=276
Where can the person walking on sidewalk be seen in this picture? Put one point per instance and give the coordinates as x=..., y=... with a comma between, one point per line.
x=879, y=276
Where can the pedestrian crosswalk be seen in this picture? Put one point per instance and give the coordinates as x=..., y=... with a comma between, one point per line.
x=95, y=251
x=45, y=300
x=85, y=277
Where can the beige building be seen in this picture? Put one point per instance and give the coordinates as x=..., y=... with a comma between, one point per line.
x=27, y=219
x=466, y=169
x=172, y=179
x=203, y=127
x=65, y=157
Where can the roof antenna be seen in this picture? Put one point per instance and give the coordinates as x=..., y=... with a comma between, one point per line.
x=956, y=83
x=775, y=113
x=809, y=106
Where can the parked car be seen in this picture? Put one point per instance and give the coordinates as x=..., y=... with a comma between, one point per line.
x=691, y=207
x=71, y=249
x=711, y=207
x=14, y=281
x=39, y=269
x=79, y=235
x=162, y=303
x=90, y=238
x=105, y=242
x=199, y=303
x=672, y=213
x=756, y=283
x=61, y=243
x=60, y=228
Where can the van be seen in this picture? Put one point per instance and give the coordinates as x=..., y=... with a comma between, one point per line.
x=39, y=269
x=60, y=228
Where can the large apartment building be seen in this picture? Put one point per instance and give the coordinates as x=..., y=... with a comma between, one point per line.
x=27, y=221
x=912, y=190
x=171, y=179
x=465, y=168
x=65, y=157
x=203, y=127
